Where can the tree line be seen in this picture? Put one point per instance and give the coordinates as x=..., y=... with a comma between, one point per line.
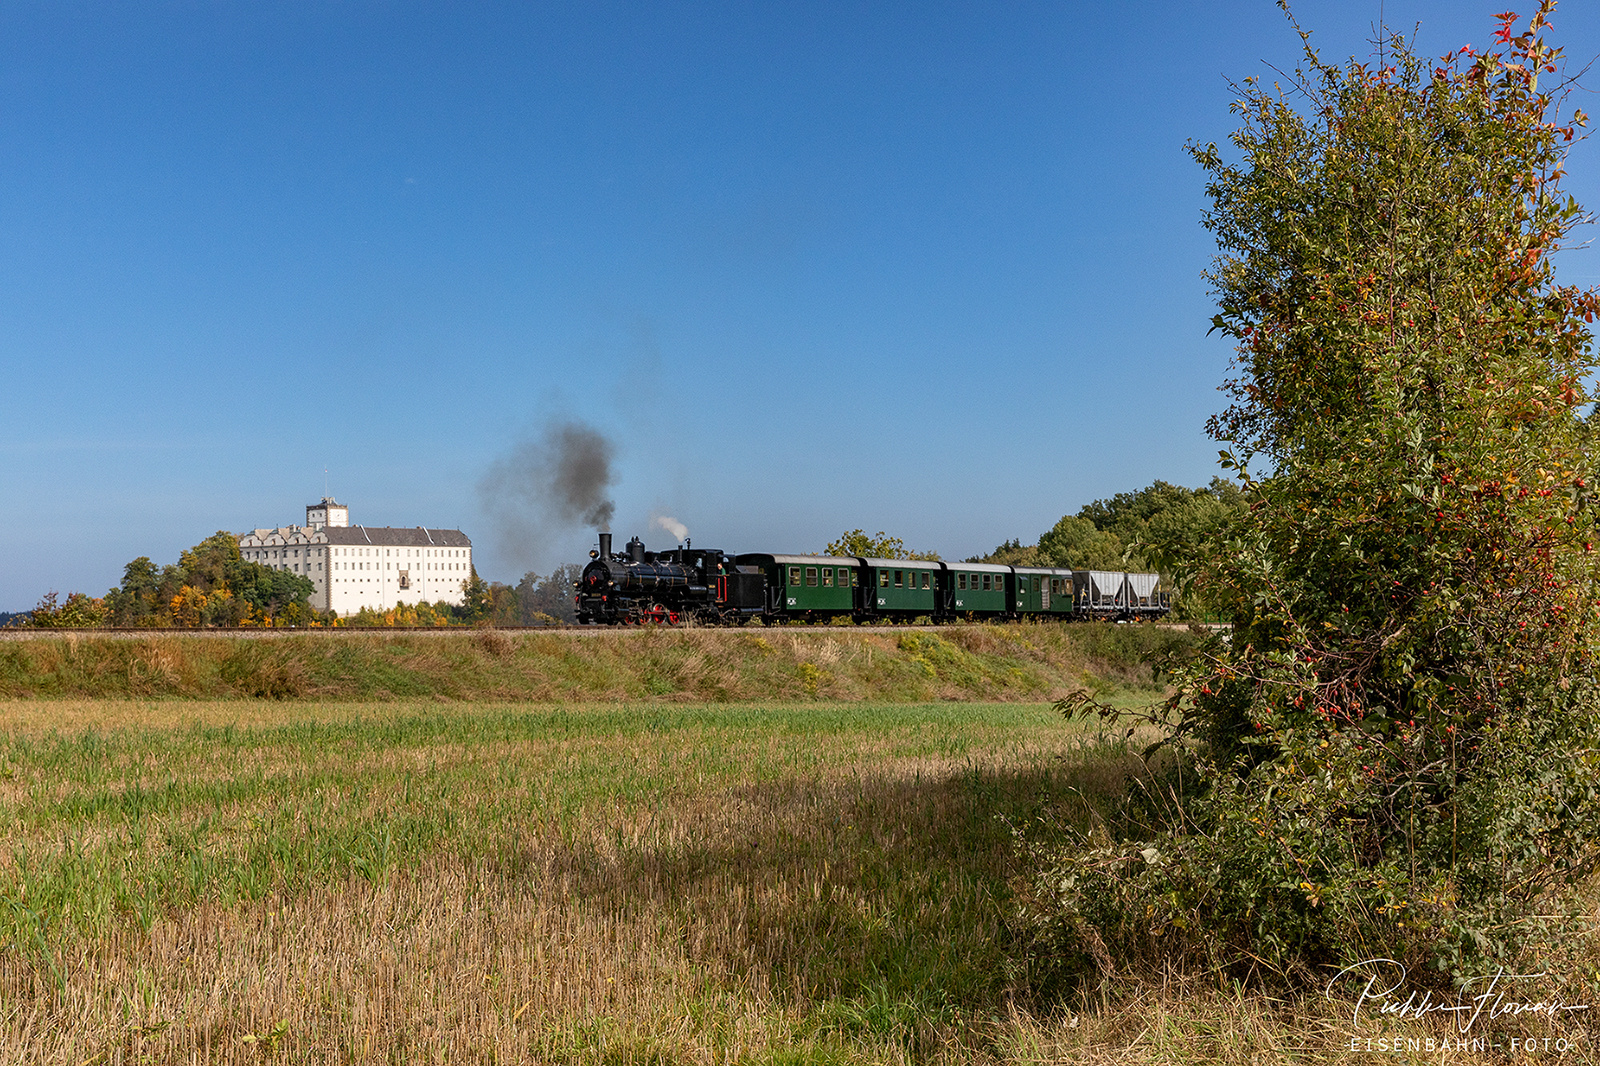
x=213, y=585
x=1164, y=528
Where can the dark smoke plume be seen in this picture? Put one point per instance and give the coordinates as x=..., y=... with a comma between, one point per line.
x=576, y=463
x=561, y=480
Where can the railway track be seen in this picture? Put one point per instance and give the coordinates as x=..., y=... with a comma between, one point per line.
x=333, y=633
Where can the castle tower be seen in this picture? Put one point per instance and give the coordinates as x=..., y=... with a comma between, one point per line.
x=329, y=512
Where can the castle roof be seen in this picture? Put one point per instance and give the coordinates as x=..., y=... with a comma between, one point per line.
x=397, y=536
x=377, y=536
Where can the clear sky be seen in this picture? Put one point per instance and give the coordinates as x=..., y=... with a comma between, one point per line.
x=920, y=267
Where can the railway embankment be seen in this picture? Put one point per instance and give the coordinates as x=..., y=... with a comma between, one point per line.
x=1016, y=662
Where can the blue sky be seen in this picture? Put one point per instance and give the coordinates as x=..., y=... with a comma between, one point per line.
x=927, y=268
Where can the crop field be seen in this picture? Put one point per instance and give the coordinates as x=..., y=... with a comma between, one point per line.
x=497, y=883
x=295, y=881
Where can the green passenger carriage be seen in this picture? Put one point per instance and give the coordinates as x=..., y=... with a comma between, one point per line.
x=979, y=587
x=900, y=588
x=808, y=587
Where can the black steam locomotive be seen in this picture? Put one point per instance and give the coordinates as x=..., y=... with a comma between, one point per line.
x=709, y=586
x=639, y=587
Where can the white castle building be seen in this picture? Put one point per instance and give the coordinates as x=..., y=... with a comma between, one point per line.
x=365, y=566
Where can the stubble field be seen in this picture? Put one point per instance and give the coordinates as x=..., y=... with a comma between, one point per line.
x=241, y=881
x=360, y=883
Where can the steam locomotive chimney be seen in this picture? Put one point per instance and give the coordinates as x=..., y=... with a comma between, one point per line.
x=605, y=545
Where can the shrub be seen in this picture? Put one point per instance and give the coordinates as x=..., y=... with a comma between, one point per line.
x=1397, y=751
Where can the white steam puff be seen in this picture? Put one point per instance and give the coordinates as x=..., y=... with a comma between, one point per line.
x=679, y=531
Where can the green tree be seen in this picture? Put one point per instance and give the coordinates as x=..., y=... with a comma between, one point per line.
x=1396, y=747
x=1162, y=527
x=545, y=599
x=506, y=610
x=478, y=604
x=1128, y=513
x=1077, y=544
x=1180, y=540
x=857, y=543
x=268, y=591
x=136, y=601
x=1011, y=553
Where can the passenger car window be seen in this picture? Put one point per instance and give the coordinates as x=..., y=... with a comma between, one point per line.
x=811, y=576
x=794, y=575
x=827, y=577
x=883, y=579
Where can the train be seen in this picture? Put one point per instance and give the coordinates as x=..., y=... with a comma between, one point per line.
x=708, y=586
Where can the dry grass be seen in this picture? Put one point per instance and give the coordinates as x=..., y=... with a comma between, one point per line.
x=252, y=881
x=1024, y=663
x=1180, y=1023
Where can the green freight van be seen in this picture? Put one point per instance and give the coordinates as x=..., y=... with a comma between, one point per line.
x=1043, y=591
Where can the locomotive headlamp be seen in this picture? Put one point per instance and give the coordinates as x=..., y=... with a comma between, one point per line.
x=593, y=554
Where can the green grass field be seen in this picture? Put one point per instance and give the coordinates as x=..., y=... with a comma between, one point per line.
x=410, y=881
